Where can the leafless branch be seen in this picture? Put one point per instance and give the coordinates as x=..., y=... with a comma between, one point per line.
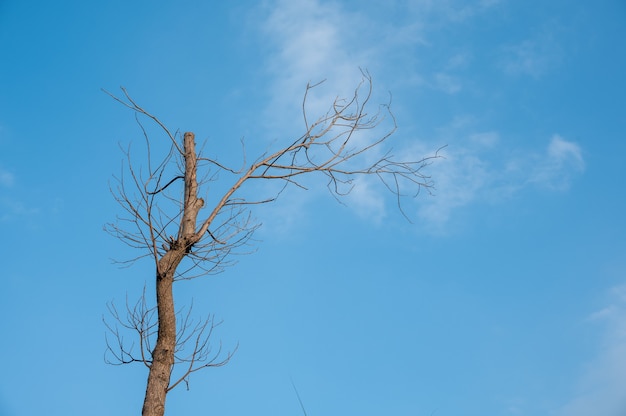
x=336, y=145
x=193, y=349
x=188, y=234
x=138, y=319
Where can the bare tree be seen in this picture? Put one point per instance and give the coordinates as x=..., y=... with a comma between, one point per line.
x=168, y=221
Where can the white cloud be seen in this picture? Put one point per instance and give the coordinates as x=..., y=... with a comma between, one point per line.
x=534, y=56
x=600, y=389
x=367, y=200
x=477, y=168
x=555, y=168
x=460, y=178
x=312, y=40
x=562, y=151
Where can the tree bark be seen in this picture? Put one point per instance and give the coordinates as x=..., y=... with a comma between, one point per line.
x=163, y=353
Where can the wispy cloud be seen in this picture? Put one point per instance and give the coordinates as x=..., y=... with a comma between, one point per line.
x=366, y=199
x=314, y=40
x=478, y=168
x=555, y=168
x=463, y=175
x=533, y=56
x=311, y=40
x=600, y=389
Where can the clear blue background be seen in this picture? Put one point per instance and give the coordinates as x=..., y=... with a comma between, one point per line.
x=506, y=295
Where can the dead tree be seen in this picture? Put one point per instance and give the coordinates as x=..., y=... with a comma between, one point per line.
x=167, y=219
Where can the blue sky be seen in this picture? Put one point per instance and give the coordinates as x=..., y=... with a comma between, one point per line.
x=506, y=295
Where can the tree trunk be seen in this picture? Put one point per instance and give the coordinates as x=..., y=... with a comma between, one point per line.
x=163, y=353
